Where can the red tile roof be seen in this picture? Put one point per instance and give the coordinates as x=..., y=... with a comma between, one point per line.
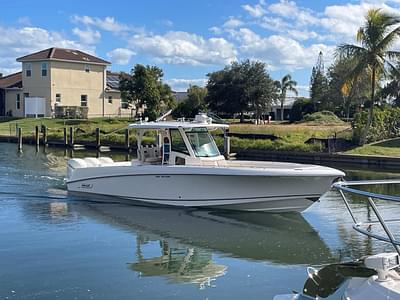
x=63, y=54
x=11, y=81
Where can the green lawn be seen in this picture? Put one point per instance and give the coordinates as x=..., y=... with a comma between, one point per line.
x=384, y=148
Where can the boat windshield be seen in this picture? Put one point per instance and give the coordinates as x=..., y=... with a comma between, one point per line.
x=202, y=143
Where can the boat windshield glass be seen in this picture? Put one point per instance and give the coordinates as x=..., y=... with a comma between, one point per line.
x=201, y=142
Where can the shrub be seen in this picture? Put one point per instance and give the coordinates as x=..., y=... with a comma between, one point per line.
x=301, y=107
x=324, y=117
x=385, y=124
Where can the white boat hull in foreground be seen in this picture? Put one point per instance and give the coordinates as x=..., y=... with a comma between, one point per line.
x=251, y=186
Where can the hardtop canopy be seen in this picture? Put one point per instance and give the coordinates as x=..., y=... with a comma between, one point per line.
x=175, y=125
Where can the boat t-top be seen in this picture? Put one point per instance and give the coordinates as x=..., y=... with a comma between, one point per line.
x=182, y=166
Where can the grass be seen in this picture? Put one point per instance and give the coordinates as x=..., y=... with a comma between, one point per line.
x=291, y=136
x=383, y=148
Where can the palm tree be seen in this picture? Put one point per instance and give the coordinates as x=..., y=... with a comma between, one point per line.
x=373, y=56
x=286, y=84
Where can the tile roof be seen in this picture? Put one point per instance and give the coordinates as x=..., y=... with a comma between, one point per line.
x=63, y=54
x=11, y=81
x=112, y=79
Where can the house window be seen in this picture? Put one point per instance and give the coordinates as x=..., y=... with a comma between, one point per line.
x=110, y=99
x=18, y=102
x=28, y=69
x=44, y=69
x=83, y=100
x=87, y=68
x=124, y=104
x=58, y=98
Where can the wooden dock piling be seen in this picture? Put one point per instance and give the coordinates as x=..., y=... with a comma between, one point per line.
x=98, y=138
x=71, y=137
x=65, y=140
x=37, y=137
x=44, y=131
x=127, y=144
x=19, y=139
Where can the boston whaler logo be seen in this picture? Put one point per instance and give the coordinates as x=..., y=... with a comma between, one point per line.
x=86, y=186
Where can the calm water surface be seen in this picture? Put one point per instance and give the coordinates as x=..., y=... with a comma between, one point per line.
x=55, y=246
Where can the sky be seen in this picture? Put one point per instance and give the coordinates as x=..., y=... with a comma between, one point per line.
x=187, y=39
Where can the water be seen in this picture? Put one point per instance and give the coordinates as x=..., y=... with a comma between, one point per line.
x=55, y=246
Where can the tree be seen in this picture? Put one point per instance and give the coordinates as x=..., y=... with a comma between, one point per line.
x=239, y=88
x=392, y=88
x=193, y=104
x=144, y=87
x=345, y=96
x=286, y=84
x=376, y=37
x=318, y=84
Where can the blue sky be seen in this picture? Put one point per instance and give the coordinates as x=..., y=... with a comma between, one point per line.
x=187, y=39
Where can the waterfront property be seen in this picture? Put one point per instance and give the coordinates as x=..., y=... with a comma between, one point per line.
x=65, y=81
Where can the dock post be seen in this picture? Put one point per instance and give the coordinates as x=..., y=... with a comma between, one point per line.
x=71, y=137
x=37, y=137
x=127, y=145
x=44, y=129
x=65, y=137
x=19, y=139
x=227, y=144
x=98, y=138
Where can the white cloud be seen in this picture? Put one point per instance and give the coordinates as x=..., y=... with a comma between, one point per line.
x=232, y=23
x=107, y=24
x=16, y=42
x=178, y=47
x=181, y=84
x=256, y=10
x=281, y=52
x=26, y=21
x=166, y=22
x=120, y=56
x=290, y=10
x=87, y=36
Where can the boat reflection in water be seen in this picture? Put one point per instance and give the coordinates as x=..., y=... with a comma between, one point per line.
x=279, y=238
x=179, y=264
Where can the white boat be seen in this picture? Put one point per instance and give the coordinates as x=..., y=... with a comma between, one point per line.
x=374, y=277
x=185, y=168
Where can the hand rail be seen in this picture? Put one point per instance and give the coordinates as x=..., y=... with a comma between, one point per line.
x=343, y=187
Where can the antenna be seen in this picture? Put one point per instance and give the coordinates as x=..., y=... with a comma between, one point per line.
x=164, y=115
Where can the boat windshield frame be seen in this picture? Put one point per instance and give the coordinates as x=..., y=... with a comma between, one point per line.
x=197, y=144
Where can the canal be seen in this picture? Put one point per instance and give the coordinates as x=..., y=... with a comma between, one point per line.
x=56, y=246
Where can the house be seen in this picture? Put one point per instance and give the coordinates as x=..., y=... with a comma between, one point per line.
x=275, y=112
x=64, y=79
x=10, y=92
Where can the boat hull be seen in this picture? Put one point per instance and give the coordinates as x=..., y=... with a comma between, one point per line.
x=228, y=191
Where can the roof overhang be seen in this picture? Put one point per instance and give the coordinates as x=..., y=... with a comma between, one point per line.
x=64, y=60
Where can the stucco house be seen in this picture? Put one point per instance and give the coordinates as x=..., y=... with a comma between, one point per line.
x=63, y=78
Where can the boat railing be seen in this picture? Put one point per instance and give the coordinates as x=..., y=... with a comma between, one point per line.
x=349, y=188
